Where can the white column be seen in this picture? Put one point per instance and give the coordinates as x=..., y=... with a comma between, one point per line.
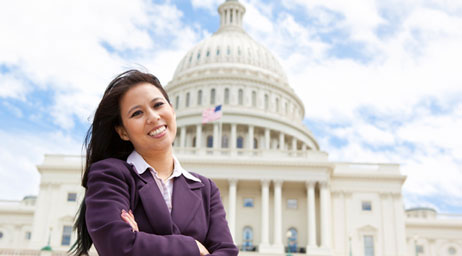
x=325, y=215
x=183, y=137
x=216, y=139
x=311, y=214
x=250, y=138
x=232, y=207
x=267, y=139
x=264, y=244
x=278, y=246
x=281, y=141
x=198, y=136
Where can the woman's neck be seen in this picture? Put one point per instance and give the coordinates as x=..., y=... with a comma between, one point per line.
x=162, y=162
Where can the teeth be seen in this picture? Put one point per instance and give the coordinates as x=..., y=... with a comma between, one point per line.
x=157, y=131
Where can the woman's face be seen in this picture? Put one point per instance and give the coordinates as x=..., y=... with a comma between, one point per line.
x=148, y=120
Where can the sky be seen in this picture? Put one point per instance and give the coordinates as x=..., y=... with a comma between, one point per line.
x=380, y=80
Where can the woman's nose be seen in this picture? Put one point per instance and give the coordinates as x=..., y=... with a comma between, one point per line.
x=153, y=116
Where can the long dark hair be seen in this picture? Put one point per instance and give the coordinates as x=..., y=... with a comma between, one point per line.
x=102, y=140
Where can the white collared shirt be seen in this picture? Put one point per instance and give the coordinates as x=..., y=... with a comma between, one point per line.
x=166, y=188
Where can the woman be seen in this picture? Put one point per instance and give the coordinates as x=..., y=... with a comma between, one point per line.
x=138, y=199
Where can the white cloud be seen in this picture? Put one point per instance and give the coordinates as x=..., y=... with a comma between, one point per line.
x=21, y=152
x=12, y=87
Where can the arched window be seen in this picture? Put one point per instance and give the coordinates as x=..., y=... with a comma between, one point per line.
x=240, y=142
x=292, y=240
x=254, y=98
x=247, y=241
x=266, y=102
x=226, y=95
x=212, y=96
x=209, y=141
x=187, y=99
x=177, y=102
x=241, y=97
x=255, y=143
x=224, y=141
x=198, y=55
x=194, y=142
x=277, y=105
x=199, y=97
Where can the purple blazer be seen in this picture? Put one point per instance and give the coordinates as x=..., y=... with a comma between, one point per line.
x=197, y=214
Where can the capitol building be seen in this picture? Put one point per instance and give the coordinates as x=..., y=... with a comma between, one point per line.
x=281, y=193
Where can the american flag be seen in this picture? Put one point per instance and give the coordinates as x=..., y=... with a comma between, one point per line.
x=211, y=114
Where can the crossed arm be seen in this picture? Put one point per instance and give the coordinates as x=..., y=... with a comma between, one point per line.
x=130, y=219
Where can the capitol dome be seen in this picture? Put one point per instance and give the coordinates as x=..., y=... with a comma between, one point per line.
x=230, y=47
x=262, y=115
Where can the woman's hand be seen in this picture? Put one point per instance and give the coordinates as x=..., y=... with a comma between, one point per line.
x=202, y=249
x=130, y=219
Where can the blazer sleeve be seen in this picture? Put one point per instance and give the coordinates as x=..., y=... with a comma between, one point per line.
x=218, y=241
x=108, y=192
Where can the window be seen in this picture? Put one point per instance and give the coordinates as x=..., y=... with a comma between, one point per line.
x=1, y=234
x=212, y=96
x=209, y=141
x=66, y=238
x=368, y=245
x=208, y=53
x=198, y=55
x=177, y=101
x=194, y=142
x=292, y=240
x=227, y=96
x=419, y=249
x=254, y=98
x=366, y=206
x=452, y=251
x=218, y=51
x=266, y=102
x=241, y=97
x=277, y=104
x=229, y=49
x=199, y=97
x=247, y=243
x=28, y=235
x=71, y=197
x=224, y=141
x=248, y=202
x=240, y=142
x=292, y=203
x=286, y=106
x=255, y=143
x=187, y=99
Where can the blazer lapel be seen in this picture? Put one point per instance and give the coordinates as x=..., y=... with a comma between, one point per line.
x=154, y=205
x=186, y=200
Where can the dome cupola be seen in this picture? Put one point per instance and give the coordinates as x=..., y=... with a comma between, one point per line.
x=231, y=48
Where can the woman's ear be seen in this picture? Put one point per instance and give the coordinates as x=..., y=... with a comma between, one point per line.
x=122, y=133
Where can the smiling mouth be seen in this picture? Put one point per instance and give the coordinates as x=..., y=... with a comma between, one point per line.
x=158, y=131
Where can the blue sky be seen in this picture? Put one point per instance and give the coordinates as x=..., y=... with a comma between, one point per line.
x=379, y=79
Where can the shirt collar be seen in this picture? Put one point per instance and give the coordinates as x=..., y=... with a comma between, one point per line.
x=141, y=166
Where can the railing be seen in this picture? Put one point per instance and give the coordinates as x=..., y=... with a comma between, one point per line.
x=264, y=153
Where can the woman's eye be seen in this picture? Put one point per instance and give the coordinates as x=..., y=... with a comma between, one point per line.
x=136, y=113
x=158, y=104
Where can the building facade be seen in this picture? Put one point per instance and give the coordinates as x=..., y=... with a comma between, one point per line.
x=280, y=191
